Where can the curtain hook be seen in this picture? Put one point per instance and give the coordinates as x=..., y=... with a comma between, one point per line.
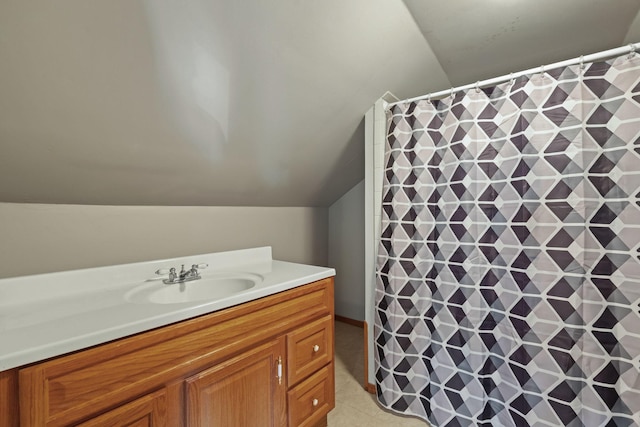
x=542, y=71
x=429, y=98
x=581, y=62
x=478, y=86
x=632, y=50
x=452, y=92
x=511, y=79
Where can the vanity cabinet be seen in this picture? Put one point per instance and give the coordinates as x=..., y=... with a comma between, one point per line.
x=268, y=362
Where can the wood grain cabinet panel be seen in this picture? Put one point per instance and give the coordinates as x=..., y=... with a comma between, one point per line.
x=147, y=411
x=312, y=399
x=9, y=404
x=309, y=348
x=218, y=367
x=244, y=391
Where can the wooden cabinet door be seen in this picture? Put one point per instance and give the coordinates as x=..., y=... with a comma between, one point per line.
x=147, y=411
x=248, y=390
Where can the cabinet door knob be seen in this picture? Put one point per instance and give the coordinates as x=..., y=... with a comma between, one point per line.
x=316, y=348
x=314, y=402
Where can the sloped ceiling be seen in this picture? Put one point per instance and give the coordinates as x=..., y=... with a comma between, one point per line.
x=476, y=40
x=252, y=102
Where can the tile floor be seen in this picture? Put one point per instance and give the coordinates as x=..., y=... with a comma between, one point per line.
x=354, y=406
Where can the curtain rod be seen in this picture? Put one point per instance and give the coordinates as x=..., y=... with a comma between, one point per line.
x=631, y=48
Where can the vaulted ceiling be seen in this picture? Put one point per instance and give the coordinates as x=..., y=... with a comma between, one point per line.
x=246, y=103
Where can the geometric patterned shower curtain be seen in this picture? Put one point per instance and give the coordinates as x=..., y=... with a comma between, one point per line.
x=508, y=278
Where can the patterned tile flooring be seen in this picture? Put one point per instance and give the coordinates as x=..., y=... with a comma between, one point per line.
x=354, y=406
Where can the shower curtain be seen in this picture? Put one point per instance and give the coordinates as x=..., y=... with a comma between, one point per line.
x=508, y=278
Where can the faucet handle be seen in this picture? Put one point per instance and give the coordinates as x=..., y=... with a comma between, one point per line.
x=163, y=271
x=200, y=266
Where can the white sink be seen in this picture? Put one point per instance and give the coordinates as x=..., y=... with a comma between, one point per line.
x=209, y=287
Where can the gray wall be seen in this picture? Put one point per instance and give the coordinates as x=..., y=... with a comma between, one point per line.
x=346, y=252
x=39, y=238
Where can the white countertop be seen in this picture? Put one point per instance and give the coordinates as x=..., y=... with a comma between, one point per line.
x=47, y=315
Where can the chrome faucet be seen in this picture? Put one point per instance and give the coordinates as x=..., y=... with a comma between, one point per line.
x=183, y=276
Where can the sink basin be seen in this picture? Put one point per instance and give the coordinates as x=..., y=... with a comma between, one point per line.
x=207, y=288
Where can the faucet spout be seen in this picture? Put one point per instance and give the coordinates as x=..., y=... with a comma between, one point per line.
x=183, y=273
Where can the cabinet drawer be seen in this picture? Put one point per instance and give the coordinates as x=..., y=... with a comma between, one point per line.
x=312, y=399
x=309, y=348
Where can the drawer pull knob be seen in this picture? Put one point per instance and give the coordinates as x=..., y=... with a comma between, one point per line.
x=315, y=402
x=316, y=348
